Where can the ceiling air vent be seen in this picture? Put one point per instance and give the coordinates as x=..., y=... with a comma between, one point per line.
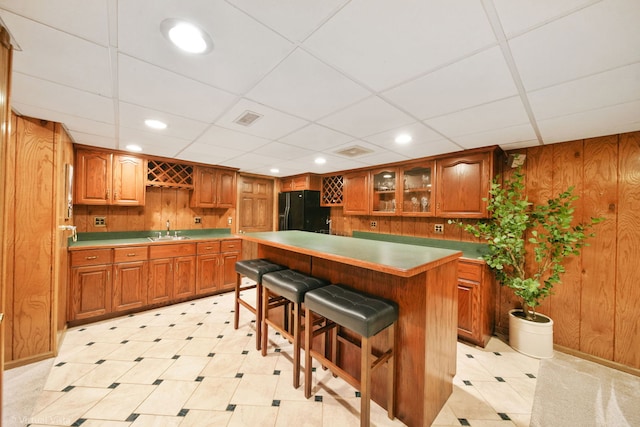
x=354, y=151
x=247, y=118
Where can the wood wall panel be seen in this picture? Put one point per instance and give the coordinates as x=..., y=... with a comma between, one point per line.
x=599, y=197
x=627, y=317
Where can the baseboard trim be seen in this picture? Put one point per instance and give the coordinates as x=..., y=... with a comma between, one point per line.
x=598, y=360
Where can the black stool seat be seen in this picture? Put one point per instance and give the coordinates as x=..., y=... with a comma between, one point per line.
x=291, y=284
x=354, y=310
x=255, y=268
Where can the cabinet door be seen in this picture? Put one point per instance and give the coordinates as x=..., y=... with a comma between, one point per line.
x=356, y=193
x=90, y=291
x=384, y=192
x=208, y=278
x=228, y=269
x=204, y=188
x=462, y=183
x=129, y=180
x=129, y=285
x=184, y=277
x=160, y=280
x=226, y=197
x=417, y=183
x=467, y=310
x=93, y=177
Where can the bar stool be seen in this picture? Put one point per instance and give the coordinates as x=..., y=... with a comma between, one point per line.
x=365, y=315
x=253, y=269
x=289, y=287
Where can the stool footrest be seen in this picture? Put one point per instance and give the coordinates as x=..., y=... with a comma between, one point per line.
x=335, y=369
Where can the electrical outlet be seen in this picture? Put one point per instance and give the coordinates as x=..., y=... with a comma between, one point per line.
x=438, y=228
x=99, y=221
x=374, y=224
x=229, y=220
x=197, y=220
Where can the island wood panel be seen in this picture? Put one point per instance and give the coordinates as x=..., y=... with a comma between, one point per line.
x=568, y=171
x=597, y=310
x=627, y=318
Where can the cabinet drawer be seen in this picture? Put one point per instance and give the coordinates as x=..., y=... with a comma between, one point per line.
x=170, y=251
x=470, y=271
x=231, y=245
x=208, y=247
x=138, y=253
x=90, y=257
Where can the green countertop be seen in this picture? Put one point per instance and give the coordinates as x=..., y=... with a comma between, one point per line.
x=398, y=257
x=123, y=238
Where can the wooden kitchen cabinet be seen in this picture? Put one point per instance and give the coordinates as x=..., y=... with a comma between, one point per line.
x=476, y=301
x=104, y=178
x=417, y=184
x=90, y=293
x=356, y=193
x=208, y=275
x=462, y=183
x=384, y=192
x=231, y=252
x=213, y=188
x=172, y=274
x=305, y=181
x=130, y=278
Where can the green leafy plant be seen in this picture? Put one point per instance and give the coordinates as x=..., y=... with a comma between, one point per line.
x=551, y=238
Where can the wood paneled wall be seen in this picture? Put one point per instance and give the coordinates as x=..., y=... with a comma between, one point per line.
x=161, y=204
x=595, y=310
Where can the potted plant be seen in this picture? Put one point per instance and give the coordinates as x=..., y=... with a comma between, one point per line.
x=516, y=226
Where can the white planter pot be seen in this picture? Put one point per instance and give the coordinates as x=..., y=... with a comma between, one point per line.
x=534, y=339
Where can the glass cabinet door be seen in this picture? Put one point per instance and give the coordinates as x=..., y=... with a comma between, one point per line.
x=417, y=196
x=384, y=193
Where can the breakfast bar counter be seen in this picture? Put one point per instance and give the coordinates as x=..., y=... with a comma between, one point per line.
x=421, y=280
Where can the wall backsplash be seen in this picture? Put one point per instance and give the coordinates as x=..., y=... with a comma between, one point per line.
x=161, y=204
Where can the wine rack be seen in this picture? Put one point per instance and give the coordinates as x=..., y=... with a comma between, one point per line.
x=166, y=174
x=332, y=190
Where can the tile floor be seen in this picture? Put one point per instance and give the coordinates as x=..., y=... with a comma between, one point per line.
x=185, y=365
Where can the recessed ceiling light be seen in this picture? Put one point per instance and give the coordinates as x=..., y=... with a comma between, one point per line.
x=133, y=147
x=403, y=138
x=155, y=124
x=275, y=170
x=320, y=161
x=186, y=36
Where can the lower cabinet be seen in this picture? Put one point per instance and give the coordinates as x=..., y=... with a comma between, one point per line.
x=172, y=272
x=476, y=302
x=231, y=253
x=130, y=271
x=90, y=291
x=216, y=265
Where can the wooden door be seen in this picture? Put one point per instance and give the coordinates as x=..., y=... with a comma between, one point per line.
x=90, y=291
x=356, y=193
x=129, y=285
x=129, y=177
x=208, y=274
x=184, y=279
x=467, y=327
x=255, y=204
x=93, y=177
x=462, y=182
x=160, y=280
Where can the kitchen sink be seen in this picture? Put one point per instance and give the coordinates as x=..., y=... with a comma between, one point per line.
x=167, y=238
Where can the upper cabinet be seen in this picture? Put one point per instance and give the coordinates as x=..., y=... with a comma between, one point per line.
x=305, y=181
x=213, y=188
x=356, y=193
x=417, y=184
x=463, y=182
x=384, y=194
x=104, y=178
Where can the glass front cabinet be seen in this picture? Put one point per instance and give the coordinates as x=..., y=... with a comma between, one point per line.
x=417, y=181
x=385, y=192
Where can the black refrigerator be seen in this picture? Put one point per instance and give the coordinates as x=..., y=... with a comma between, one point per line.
x=301, y=210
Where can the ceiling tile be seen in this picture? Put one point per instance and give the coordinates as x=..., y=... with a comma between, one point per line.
x=604, y=89
x=368, y=117
x=207, y=153
x=251, y=161
x=418, y=132
x=217, y=136
x=333, y=163
x=282, y=151
x=244, y=50
x=507, y=135
x=76, y=62
x=273, y=124
x=381, y=44
x=316, y=137
x=161, y=145
x=306, y=87
x=293, y=19
x=495, y=115
x=149, y=86
x=93, y=140
x=133, y=116
x=476, y=80
x=422, y=148
x=572, y=47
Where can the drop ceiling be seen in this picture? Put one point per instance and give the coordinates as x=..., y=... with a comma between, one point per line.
x=326, y=76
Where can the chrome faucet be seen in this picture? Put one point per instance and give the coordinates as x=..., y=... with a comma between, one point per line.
x=168, y=227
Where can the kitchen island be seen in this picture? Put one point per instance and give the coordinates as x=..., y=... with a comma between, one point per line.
x=421, y=280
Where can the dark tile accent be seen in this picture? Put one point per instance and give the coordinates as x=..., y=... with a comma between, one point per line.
x=276, y=372
x=313, y=369
x=189, y=338
x=500, y=379
x=143, y=326
x=227, y=322
x=113, y=327
x=275, y=403
x=124, y=342
x=463, y=422
x=182, y=314
x=220, y=336
x=504, y=416
x=68, y=388
x=176, y=356
x=497, y=353
x=278, y=333
x=61, y=363
x=131, y=418
x=172, y=325
x=100, y=362
x=200, y=324
x=358, y=394
x=79, y=422
x=531, y=375
x=158, y=314
x=208, y=312
x=83, y=329
x=183, y=412
x=138, y=359
x=211, y=354
x=249, y=334
x=231, y=407
x=193, y=303
x=157, y=382
x=277, y=350
x=239, y=375
x=157, y=340
x=317, y=398
x=253, y=321
x=199, y=379
x=114, y=385
x=470, y=356
x=467, y=382
x=245, y=351
x=131, y=315
x=91, y=343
